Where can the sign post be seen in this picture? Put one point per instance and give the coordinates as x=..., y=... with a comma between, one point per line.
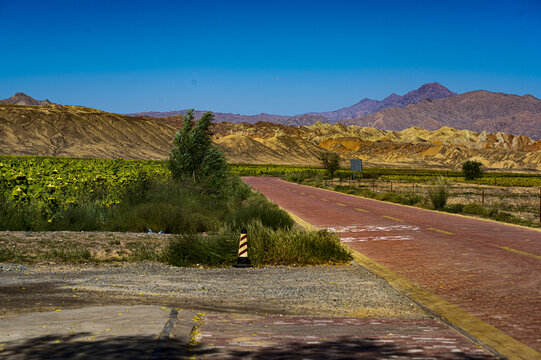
x=355, y=165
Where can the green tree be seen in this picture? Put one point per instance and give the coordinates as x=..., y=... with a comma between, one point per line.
x=194, y=157
x=331, y=162
x=472, y=170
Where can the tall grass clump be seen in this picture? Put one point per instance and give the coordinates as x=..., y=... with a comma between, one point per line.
x=265, y=247
x=439, y=193
x=70, y=254
x=293, y=246
x=196, y=249
x=257, y=207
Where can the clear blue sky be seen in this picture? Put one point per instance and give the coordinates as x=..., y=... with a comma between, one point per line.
x=282, y=57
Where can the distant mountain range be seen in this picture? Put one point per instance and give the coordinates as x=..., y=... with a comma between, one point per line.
x=60, y=130
x=23, y=99
x=366, y=106
x=430, y=107
x=476, y=110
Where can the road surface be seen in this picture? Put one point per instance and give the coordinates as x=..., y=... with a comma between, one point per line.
x=489, y=269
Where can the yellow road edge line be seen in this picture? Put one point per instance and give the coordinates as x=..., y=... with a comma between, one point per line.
x=492, y=338
x=392, y=218
x=538, y=257
x=441, y=231
x=363, y=210
x=340, y=204
x=414, y=207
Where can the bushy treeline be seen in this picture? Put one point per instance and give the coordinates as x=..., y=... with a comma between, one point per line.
x=149, y=203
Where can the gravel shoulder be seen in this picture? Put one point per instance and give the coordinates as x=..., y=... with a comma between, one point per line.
x=346, y=290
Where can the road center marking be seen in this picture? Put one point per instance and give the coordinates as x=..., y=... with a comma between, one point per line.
x=324, y=200
x=519, y=252
x=341, y=204
x=302, y=193
x=392, y=218
x=312, y=196
x=441, y=231
x=363, y=210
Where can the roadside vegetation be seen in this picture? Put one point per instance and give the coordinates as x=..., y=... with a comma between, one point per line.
x=512, y=204
x=193, y=195
x=500, y=179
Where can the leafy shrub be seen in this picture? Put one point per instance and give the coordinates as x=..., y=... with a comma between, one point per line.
x=454, y=208
x=136, y=191
x=331, y=162
x=474, y=209
x=84, y=217
x=19, y=217
x=297, y=177
x=472, y=170
x=194, y=158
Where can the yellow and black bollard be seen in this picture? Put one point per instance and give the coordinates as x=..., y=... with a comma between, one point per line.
x=242, y=259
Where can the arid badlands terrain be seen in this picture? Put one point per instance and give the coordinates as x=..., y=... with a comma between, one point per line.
x=488, y=127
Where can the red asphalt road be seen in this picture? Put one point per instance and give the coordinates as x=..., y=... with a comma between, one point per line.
x=489, y=269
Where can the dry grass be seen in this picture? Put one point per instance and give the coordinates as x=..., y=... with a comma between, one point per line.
x=73, y=247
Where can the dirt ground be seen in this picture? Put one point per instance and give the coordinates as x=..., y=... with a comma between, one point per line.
x=346, y=290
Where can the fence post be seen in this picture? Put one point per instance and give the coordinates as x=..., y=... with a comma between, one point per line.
x=483, y=198
x=391, y=186
x=540, y=204
x=373, y=185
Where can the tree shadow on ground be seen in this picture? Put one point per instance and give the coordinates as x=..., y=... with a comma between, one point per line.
x=344, y=348
x=80, y=346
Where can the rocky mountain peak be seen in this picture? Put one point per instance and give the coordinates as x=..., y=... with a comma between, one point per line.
x=21, y=98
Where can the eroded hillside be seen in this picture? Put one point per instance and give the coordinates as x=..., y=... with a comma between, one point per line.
x=446, y=147
x=59, y=130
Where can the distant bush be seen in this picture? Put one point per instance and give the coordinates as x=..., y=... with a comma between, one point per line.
x=297, y=177
x=474, y=209
x=454, y=208
x=331, y=162
x=472, y=170
x=439, y=193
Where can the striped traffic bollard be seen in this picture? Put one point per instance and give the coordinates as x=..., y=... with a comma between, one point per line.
x=242, y=259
